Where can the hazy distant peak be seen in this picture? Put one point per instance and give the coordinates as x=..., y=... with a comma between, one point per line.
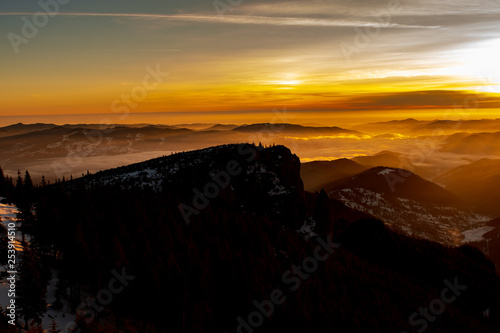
x=222, y=127
x=388, y=152
x=280, y=127
x=408, y=120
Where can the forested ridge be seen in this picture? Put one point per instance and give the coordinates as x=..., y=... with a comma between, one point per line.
x=201, y=275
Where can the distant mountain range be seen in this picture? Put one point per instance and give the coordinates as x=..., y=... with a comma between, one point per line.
x=292, y=129
x=54, y=151
x=20, y=128
x=482, y=144
x=435, y=127
x=70, y=150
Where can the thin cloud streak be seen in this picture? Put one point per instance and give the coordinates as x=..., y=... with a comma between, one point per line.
x=140, y=50
x=244, y=19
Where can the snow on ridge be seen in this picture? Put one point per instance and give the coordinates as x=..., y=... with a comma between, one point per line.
x=475, y=235
x=156, y=172
x=145, y=177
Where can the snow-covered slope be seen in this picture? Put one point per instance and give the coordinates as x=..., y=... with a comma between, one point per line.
x=438, y=223
x=408, y=203
x=8, y=215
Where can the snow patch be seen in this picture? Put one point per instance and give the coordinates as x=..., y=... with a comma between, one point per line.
x=307, y=229
x=440, y=224
x=8, y=214
x=475, y=235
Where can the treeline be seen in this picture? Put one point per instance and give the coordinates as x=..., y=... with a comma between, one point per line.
x=34, y=273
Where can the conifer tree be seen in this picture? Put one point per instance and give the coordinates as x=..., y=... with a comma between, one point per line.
x=19, y=189
x=3, y=182
x=31, y=288
x=19, y=182
x=2, y=177
x=29, y=189
x=28, y=182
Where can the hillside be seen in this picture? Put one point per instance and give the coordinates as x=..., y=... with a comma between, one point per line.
x=407, y=203
x=391, y=160
x=478, y=183
x=318, y=173
x=435, y=127
x=482, y=144
x=248, y=236
x=398, y=183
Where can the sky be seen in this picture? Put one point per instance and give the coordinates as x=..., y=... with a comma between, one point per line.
x=226, y=58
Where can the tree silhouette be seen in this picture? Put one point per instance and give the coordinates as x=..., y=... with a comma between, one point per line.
x=19, y=189
x=31, y=288
x=3, y=182
x=28, y=182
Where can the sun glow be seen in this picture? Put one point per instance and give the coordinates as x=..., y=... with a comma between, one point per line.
x=286, y=80
x=481, y=61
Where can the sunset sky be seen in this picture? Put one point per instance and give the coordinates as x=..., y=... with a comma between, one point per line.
x=98, y=57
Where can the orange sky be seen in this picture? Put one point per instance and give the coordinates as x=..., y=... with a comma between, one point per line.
x=255, y=58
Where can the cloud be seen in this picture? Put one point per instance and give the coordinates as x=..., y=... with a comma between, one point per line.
x=366, y=8
x=424, y=99
x=245, y=19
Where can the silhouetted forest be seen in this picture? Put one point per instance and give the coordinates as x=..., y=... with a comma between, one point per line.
x=203, y=275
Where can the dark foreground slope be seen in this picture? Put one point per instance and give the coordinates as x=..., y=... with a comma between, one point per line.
x=218, y=272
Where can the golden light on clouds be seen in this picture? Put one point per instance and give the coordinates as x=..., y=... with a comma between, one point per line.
x=256, y=58
x=285, y=81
